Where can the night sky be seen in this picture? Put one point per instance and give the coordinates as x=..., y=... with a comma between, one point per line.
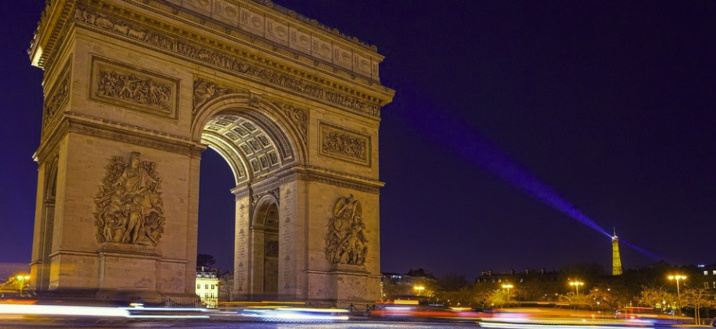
x=605, y=106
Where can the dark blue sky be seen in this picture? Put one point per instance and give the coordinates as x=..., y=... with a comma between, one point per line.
x=612, y=104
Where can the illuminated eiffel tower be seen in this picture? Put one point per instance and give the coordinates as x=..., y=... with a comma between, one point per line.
x=616, y=259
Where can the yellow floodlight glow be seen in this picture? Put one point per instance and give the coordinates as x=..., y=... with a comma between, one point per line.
x=576, y=285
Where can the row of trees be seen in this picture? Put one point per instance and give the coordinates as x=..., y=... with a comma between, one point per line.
x=646, y=287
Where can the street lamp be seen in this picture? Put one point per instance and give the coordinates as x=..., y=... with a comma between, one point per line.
x=22, y=279
x=508, y=286
x=419, y=289
x=678, y=277
x=576, y=285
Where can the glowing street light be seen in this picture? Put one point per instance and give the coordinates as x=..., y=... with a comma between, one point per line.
x=678, y=277
x=508, y=286
x=576, y=285
x=22, y=279
x=419, y=289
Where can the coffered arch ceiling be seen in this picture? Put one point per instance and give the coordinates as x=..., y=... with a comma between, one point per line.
x=253, y=145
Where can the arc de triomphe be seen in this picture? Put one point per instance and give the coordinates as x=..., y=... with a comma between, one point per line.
x=135, y=90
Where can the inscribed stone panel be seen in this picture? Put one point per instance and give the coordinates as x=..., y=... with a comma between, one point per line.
x=299, y=40
x=276, y=31
x=130, y=87
x=251, y=21
x=344, y=144
x=321, y=48
x=361, y=64
x=226, y=12
x=342, y=57
x=199, y=6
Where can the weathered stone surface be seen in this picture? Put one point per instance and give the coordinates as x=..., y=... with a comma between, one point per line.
x=291, y=105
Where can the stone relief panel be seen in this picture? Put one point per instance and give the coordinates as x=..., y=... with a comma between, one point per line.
x=129, y=206
x=345, y=239
x=57, y=97
x=133, y=88
x=343, y=144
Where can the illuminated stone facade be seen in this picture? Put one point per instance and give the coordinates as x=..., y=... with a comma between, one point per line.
x=207, y=286
x=136, y=90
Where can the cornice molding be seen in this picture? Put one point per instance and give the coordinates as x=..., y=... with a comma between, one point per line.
x=230, y=60
x=115, y=131
x=331, y=177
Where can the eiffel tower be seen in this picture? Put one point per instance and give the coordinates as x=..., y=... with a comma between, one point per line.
x=616, y=259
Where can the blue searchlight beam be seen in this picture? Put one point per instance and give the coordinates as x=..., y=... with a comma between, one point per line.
x=475, y=149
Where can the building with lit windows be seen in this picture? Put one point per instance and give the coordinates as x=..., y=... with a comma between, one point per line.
x=709, y=278
x=207, y=286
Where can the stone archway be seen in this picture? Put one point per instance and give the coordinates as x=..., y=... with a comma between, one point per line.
x=136, y=90
x=261, y=140
x=265, y=247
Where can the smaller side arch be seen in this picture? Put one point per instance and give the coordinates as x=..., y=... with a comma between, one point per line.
x=265, y=246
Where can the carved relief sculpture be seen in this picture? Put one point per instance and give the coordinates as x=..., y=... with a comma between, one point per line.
x=129, y=87
x=133, y=88
x=345, y=241
x=204, y=91
x=57, y=98
x=129, y=204
x=345, y=145
x=298, y=117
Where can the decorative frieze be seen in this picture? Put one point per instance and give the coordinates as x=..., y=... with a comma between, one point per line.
x=223, y=61
x=134, y=88
x=129, y=207
x=345, y=239
x=344, y=144
x=122, y=27
x=57, y=98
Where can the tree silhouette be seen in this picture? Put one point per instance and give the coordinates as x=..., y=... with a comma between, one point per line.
x=205, y=260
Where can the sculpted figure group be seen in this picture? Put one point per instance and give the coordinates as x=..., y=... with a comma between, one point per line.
x=129, y=205
x=346, y=242
x=346, y=145
x=133, y=88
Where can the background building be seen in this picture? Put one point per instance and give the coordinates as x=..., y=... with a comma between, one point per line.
x=207, y=286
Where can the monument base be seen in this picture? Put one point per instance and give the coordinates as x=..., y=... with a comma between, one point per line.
x=352, y=284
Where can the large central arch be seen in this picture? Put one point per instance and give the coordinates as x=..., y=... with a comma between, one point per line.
x=136, y=90
x=260, y=142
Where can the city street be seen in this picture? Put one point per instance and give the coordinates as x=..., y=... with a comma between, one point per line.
x=243, y=325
